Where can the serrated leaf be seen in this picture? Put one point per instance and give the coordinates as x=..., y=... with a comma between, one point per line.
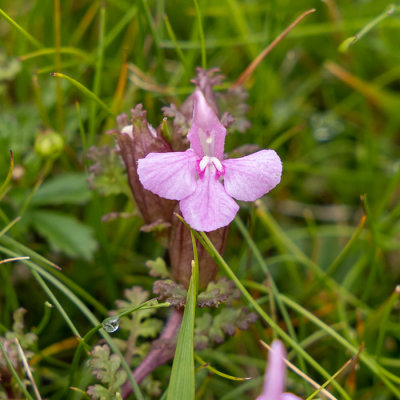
x=138, y=323
x=151, y=386
x=204, y=322
x=119, y=380
x=142, y=350
x=150, y=328
x=215, y=333
x=106, y=368
x=65, y=233
x=201, y=331
x=134, y=297
x=201, y=342
x=99, y=362
x=215, y=328
x=169, y=291
x=98, y=392
x=158, y=268
x=26, y=339
x=218, y=292
x=107, y=174
x=63, y=189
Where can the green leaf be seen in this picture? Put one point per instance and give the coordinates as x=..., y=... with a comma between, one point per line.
x=107, y=173
x=138, y=324
x=151, y=386
x=98, y=392
x=170, y=291
x=26, y=339
x=158, y=268
x=65, y=233
x=67, y=188
x=182, y=383
x=218, y=292
x=106, y=368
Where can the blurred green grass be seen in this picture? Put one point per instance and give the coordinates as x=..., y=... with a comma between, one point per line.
x=332, y=116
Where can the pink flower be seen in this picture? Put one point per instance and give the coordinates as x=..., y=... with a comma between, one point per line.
x=274, y=382
x=194, y=177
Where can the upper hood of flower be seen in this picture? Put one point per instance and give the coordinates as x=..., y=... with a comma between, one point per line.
x=207, y=134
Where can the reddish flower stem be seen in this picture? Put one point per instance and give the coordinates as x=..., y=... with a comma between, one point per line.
x=157, y=356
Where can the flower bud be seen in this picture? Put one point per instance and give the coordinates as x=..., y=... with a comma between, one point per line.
x=137, y=138
x=49, y=144
x=181, y=253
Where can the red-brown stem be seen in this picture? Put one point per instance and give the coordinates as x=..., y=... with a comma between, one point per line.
x=157, y=356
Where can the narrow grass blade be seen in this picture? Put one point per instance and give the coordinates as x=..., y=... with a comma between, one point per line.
x=182, y=384
x=305, y=377
x=85, y=22
x=88, y=93
x=366, y=359
x=27, y=369
x=27, y=35
x=205, y=364
x=14, y=373
x=43, y=111
x=3, y=187
x=345, y=45
x=282, y=239
x=177, y=47
x=13, y=259
x=207, y=244
x=250, y=69
x=98, y=74
x=274, y=288
x=117, y=29
x=45, y=318
x=57, y=304
x=341, y=256
x=121, y=86
x=52, y=50
x=85, y=311
x=150, y=21
x=9, y=226
x=383, y=323
x=48, y=265
x=201, y=34
x=58, y=65
x=321, y=389
x=81, y=129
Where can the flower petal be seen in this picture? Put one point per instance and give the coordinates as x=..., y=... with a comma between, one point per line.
x=169, y=175
x=248, y=178
x=207, y=134
x=289, y=396
x=275, y=374
x=209, y=207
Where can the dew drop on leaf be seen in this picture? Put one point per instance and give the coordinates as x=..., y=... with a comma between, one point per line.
x=111, y=324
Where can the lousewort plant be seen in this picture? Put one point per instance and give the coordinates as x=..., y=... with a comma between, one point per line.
x=193, y=177
x=191, y=168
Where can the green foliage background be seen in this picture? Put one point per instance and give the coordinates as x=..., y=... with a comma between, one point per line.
x=333, y=117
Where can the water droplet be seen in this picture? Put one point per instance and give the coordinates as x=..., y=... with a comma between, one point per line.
x=111, y=324
x=325, y=126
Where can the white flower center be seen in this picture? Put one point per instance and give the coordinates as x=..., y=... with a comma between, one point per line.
x=206, y=160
